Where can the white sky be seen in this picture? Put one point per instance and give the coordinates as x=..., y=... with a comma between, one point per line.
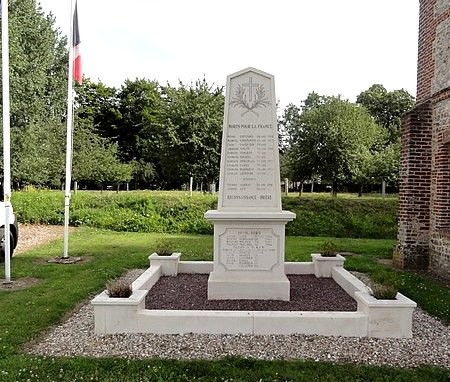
x=328, y=46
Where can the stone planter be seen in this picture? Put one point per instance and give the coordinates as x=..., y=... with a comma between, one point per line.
x=387, y=318
x=323, y=265
x=118, y=315
x=169, y=264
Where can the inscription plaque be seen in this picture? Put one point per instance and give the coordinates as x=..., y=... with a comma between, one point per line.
x=249, y=249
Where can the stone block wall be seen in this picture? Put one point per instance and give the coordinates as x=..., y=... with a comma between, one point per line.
x=440, y=167
x=440, y=253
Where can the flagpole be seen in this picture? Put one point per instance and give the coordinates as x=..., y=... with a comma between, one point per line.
x=6, y=137
x=69, y=137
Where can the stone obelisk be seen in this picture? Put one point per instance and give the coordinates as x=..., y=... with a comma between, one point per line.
x=249, y=224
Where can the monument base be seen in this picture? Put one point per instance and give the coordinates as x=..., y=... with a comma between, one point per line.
x=249, y=256
x=252, y=288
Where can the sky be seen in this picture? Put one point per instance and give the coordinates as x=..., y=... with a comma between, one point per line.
x=328, y=46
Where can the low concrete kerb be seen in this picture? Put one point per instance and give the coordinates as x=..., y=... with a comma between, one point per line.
x=373, y=318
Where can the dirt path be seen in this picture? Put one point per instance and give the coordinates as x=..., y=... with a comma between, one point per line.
x=30, y=236
x=33, y=235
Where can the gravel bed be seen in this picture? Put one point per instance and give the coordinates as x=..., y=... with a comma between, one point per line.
x=190, y=292
x=75, y=337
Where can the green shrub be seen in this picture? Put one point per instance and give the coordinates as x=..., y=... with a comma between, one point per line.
x=145, y=211
x=341, y=217
x=384, y=291
x=328, y=249
x=164, y=248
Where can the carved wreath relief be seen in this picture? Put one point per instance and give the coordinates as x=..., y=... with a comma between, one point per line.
x=244, y=97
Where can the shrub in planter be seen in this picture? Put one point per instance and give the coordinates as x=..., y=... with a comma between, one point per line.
x=164, y=248
x=119, y=288
x=328, y=249
x=384, y=291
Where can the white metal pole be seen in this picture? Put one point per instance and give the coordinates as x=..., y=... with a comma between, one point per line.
x=69, y=137
x=6, y=137
x=191, y=182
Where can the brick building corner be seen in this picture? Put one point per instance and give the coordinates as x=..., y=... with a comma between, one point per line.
x=423, y=240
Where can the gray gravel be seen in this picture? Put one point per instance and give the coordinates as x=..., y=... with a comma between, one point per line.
x=75, y=337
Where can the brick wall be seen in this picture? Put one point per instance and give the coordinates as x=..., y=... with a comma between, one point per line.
x=414, y=189
x=432, y=13
x=424, y=195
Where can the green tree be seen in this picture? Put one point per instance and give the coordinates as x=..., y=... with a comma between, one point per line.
x=38, y=156
x=98, y=104
x=294, y=164
x=192, y=132
x=332, y=140
x=386, y=164
x=379, y=166
x=139, y=131
x=38, y=89
x=38, y=65
x=95, y=159
x=143, y=172
x=387, y=108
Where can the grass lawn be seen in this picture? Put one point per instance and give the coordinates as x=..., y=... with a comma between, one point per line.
x=26, y=314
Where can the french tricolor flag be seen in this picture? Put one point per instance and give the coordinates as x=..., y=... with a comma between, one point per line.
x=77, y=72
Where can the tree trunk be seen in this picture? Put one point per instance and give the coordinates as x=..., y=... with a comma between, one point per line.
x=334, y=189
x=300, y=190
x=360, y=191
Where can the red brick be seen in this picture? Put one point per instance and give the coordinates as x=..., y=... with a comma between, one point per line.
x=424, y=189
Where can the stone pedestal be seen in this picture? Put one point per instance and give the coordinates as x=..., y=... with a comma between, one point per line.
x=249, y=256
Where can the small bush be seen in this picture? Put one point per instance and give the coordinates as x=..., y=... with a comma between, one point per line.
x=328, y=249
x=164, y=248
x=119, y=288
x=384, y=291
